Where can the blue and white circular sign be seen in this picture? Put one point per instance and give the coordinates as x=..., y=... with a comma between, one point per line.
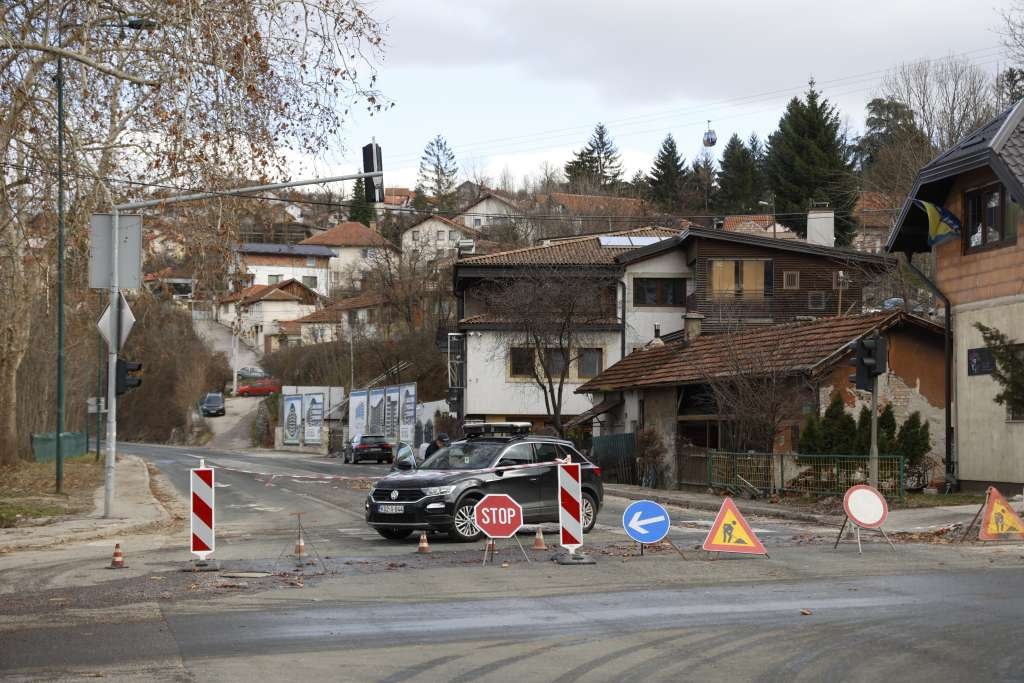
x=645, y=521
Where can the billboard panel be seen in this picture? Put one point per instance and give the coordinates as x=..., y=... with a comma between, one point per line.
x=375, y=412
x=357, y=414
x=291, y=420
x=407, y=423
x=313, y=416
x=392, y=398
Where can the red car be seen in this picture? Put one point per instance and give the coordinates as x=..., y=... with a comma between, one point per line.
x=259, y=387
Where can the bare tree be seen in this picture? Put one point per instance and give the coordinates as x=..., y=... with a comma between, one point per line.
x=950, y=97
x=549, y=314
x=215, y=92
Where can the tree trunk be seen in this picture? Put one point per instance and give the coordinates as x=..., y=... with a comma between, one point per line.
x=16, y=338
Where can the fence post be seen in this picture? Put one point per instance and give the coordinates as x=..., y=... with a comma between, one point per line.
x=902, y=483
x=782, y=473
x=711, y=456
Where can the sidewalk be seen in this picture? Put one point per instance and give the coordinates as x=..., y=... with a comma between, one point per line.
x=135, y=507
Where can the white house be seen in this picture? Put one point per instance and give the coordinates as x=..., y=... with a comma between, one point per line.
x=436, y=237
x=352, y=247
x=259, y=310
x=489, y=209
x=270, y=264
x=362, y=316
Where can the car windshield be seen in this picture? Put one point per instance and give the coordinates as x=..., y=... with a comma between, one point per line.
x=373, y=439
x=463, y=456
x=213, y=398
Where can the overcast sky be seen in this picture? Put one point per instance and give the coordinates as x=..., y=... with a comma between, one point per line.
x=516, y=82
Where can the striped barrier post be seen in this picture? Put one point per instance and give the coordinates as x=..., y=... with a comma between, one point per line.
x=570, y=507
x=202, y=511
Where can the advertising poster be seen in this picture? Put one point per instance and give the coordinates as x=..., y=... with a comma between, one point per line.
x=291, y=421
x=392, y=398
x=407, y=427
x=375, y=412
x=357, y=414
x=313, y=420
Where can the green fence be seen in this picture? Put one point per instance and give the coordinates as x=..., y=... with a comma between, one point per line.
x=816, y=475
x=44, y=446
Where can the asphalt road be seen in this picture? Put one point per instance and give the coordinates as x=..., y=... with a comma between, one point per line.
x=914, y=627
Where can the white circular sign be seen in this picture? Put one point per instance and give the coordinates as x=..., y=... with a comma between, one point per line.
x=865, y=506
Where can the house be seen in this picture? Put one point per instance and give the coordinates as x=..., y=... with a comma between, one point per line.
x=874, y=213
x=174, y=282
x=436, y=237
x=787, y=371
x=490, y=210
x=353, y=248
x=258, y=311
x=270, y=264
x=977, y=276
x=363, y=315
x=668, y=283
x=397, y=198
x=762, y=225
x=586, y=213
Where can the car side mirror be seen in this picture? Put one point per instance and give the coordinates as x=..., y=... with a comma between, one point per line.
x=405, y=464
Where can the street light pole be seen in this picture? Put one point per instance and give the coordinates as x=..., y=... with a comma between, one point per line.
x=60, y=269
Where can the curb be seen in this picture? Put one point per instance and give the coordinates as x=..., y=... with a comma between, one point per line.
x=744, y=506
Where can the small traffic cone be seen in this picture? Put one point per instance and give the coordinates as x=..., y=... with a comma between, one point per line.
x=117, y=562
x=424, y=544
x=538, y=540
x=300, y=547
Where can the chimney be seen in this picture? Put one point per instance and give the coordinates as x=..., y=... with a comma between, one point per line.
x=821, y=226
x=657, y=331
x=692, y=325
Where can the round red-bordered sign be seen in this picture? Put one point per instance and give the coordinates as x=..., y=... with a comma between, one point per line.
x=865, y=506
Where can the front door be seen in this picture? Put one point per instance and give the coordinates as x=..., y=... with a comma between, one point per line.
x=520, y=478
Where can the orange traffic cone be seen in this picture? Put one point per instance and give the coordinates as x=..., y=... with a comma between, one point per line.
x=424, y=544
x=538, y=540
x=300, y=547
x=117, y=562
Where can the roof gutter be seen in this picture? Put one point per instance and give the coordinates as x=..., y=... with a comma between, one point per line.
x=951, y=469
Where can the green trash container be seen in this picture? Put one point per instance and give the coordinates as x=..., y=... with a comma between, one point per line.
x=44, y=446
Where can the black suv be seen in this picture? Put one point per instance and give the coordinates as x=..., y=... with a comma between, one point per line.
x=369, y=447
x=440, y=494
x=212, y=405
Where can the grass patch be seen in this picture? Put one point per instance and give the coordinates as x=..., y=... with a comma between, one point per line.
x=29, y=489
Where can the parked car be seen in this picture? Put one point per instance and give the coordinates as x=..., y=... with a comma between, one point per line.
x=252, y=373
x=259, y=387
x=369, y=447
x=212, y=405
x=439, y=495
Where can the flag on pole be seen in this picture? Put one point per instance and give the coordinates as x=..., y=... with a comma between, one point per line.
x=942, y=225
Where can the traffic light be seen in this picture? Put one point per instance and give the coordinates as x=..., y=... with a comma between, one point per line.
x=374, y=187
x=128, y=375
x=870, y=361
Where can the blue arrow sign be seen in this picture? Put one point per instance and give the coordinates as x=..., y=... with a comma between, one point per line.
x=645, y=521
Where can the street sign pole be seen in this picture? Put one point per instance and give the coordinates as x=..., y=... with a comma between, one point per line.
x=873, y=457
x=112, y=349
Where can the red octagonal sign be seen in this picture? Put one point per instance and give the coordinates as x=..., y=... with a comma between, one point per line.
x=498, y=515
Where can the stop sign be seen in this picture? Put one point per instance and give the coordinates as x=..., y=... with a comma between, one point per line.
x=498, y=516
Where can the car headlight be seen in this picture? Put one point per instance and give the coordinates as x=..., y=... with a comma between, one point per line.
x=438, y=490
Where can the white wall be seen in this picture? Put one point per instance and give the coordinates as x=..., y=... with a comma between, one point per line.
x=261, y=275
x=640, y=321
x=261, y=318
x=494, y=212
x=490, y=390
x=314, y=333
x=349, y=262
x=424, y=237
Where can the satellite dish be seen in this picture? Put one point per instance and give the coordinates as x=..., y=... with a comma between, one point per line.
x=710, y=136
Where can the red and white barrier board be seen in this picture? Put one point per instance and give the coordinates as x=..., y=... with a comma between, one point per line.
x=570, y=507
x=202, y=511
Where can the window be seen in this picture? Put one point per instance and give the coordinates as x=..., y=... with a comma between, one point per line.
x=556, y=362
x=273, y=279
x=476, y=222
x=752, y=278
x=353, y=318
x=440, y=235
x=989, y=219
x=521, y=362
x=311, y=261
x=415, y=235
x=659, y=291
x=840, y=280
x=452, y=236
x=791, y=279
x=519, y=454
x=816, y=301
x=546, y=452
x=309, y=281
x=590, y=363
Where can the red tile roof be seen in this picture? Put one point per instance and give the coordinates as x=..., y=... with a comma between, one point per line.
x=876, y=210
x=267, y=293
x=290, y=327
x=582, y=251
x=758, y=224
x=796, y=347
x=334, y=313
x=348, y=234
x=595, y=205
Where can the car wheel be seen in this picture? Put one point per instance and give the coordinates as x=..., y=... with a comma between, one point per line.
x=589, y=512
x=394, y=533
x=463, y=526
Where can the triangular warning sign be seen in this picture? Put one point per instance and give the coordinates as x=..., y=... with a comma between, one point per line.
x=731, y=534
x=1000, y=522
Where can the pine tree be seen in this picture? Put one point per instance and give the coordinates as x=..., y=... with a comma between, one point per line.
x=360, y=210
x=913, y=441
x=640, y=186
x=668, y=177
x=1009, y=370
x=887, y=431
x=581, y=172
x=596, y=167
x=810, y=436
x=701, y=184
x=738, y=179
x=863, y=431
x=838, y=428
x=437, y=173
x=808, y=161
x=419, y=199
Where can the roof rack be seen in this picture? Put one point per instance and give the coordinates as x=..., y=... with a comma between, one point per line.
x=477, y=429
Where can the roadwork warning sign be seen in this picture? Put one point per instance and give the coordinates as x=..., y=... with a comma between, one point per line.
x=1000, y=522
x=731, y=534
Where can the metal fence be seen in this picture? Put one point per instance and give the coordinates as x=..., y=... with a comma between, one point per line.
x=816, y=475
x=615, y=454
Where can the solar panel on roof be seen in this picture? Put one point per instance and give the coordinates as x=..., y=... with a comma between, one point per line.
x=645, y=241
x=614, y=241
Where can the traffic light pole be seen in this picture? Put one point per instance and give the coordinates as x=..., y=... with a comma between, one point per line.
x=115, y=332
x=873, y=457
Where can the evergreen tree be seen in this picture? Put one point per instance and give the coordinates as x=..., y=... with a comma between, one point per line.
x=359, y=209
x=810, y=436
x=419, y=199
x=640, y=186
x=1009, y=370
x=838, y=428
x=438, y=171
x=757, y=151
x=887, y=431
x=668, y=177
x=808, y=161
x=888, y=123
x=596, y=167
x=913, y=441
x=701, y=185
x=738, y=179
x=581, y=172
x=863, y=431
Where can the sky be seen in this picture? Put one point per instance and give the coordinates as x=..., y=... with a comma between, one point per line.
x=514, y=83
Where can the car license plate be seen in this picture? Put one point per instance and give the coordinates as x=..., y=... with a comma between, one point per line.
x=391, y=509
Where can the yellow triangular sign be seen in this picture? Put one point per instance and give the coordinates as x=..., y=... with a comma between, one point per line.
x=731, y=534
x=1000, y=522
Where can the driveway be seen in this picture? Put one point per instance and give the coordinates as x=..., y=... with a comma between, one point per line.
x=218, y=338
